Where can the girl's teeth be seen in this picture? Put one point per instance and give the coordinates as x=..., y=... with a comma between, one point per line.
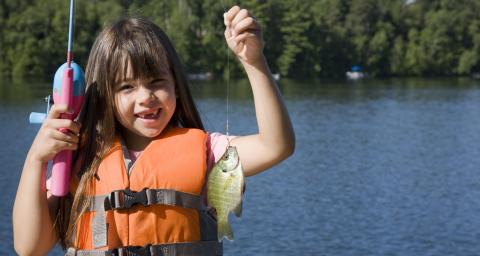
x=148, y=116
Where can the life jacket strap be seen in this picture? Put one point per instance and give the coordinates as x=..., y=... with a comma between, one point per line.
x=125, y=199
x=202, y=248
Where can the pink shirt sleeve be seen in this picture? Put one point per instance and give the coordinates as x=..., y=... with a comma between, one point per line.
x=216, y=145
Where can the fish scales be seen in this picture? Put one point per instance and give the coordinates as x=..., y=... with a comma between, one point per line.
x=225, y=185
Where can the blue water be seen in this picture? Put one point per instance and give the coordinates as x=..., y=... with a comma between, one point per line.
x=381, y=167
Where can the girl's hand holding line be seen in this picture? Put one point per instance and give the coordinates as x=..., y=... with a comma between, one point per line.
x=49, y=140
x=243, y=35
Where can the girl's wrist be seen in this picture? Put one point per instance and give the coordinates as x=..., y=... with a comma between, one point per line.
x=33, y=160
x=259, y=63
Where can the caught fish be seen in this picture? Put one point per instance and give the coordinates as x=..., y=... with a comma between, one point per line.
x=225, y=185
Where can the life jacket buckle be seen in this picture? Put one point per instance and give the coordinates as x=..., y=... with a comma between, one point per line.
x=132, y=251
x=125, y=199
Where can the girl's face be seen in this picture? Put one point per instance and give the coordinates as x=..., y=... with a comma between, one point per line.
x=144, y=106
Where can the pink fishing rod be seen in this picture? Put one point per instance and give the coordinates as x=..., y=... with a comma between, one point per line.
x=68, y=89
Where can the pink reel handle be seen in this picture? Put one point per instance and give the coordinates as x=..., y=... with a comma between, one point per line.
x=62, y=162
x=60, y=178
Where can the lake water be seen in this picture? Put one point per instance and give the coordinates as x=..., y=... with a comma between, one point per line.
x=381, y=167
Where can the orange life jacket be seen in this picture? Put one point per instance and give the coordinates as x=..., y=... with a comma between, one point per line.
x=156, y=201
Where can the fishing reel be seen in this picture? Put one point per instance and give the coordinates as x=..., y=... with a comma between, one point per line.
x=77, y=94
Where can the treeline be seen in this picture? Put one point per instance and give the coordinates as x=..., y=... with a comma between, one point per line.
x=303, y=38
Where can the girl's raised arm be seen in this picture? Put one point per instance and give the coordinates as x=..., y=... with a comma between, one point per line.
x=33, y=231
x=275, y=140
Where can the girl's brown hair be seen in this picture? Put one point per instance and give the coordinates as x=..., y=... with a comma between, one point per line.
x=146, y=48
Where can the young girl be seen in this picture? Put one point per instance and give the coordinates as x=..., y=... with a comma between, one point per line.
x=141, y=150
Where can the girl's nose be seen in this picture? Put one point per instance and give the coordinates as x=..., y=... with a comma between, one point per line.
x=146, y=96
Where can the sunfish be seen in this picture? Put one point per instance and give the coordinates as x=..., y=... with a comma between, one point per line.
x=225, y=185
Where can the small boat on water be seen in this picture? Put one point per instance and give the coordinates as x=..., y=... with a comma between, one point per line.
x=355, y=73
x=475, y=75
x=276, y=76
x=200, y=76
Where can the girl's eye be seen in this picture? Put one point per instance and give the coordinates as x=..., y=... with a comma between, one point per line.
x=125, y=87
x=157, y=83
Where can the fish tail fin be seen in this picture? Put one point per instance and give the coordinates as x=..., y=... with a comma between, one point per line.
x=224, y=230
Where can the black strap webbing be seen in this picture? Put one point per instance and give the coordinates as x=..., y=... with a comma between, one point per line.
x=125, y=199
x=203, y=248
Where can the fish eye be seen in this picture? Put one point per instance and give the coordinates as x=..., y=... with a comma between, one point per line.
x=226, y=157
x=224, y=170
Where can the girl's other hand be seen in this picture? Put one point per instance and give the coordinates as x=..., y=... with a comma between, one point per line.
x=49, y=140
x=243, y=35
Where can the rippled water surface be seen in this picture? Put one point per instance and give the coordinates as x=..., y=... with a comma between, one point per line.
x=381, y=167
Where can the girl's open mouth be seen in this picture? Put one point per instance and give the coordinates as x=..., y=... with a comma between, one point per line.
x=149, y=116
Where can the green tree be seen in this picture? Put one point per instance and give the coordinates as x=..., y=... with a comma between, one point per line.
x=470, y=59
x=329, y=36
x=311, y=38
x=295, y=20
x=33, y=37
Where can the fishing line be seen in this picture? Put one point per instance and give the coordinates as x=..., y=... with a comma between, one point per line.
x=228, y=80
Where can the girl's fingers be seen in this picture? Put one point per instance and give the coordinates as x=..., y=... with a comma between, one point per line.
x=240, y=26
x=68, y=124
x=64, y=141
x=56, y=110
x=64, y=145
x=65, y=137
x=230, y=14
x=241, y=15
x=50, y=141
x=240, y=38
x=228, y=32
x=247, y=23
